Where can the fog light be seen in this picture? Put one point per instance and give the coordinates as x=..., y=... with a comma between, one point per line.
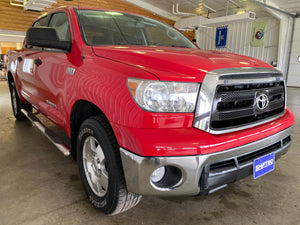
x=158, y=174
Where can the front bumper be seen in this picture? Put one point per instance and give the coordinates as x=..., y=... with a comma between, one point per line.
x=200, y=174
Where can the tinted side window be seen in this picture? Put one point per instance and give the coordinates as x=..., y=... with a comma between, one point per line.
x=60, y=22
x=43, y=22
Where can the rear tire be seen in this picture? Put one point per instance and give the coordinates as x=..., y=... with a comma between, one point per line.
x=17, y=104
x=100, y=168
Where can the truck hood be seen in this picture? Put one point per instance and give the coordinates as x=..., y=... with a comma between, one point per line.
x=175, y=64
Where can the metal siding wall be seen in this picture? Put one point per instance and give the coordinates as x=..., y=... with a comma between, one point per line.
x=294, y=69
x=238, y=39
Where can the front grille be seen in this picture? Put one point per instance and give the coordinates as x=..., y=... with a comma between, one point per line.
x=232, y=99
x=236, y=105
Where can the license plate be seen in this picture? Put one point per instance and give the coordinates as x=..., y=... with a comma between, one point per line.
x=263, y=165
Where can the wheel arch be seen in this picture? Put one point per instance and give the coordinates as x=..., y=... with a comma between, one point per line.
x=11, y=78
x=81, y=111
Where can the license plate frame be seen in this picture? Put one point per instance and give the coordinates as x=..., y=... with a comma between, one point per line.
x=263, y=165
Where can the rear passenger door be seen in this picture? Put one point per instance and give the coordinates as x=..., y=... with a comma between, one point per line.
x=26, y=67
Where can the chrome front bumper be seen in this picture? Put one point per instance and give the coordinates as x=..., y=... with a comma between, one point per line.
x=201, y=174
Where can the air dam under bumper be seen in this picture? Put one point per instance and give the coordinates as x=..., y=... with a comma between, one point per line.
x=199, y=174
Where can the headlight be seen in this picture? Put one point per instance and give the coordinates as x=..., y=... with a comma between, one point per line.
x=162, y=96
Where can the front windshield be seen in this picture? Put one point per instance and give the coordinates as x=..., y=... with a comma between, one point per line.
x=115, y=28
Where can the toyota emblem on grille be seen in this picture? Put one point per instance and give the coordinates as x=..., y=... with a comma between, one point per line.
x=262, y=101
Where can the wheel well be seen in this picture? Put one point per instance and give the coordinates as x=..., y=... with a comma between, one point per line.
x=81, y=111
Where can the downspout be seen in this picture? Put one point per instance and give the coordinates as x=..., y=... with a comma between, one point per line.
x=290, y=54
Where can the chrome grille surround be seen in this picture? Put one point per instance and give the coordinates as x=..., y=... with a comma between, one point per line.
x=206, y=104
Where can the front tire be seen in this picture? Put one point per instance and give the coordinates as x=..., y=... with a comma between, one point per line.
x=100, y=168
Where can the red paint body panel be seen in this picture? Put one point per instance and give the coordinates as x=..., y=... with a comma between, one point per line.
x=100, y=77
x=191, y=141
x=176, y=64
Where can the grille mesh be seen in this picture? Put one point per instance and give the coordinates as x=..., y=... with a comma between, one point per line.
x=236, y=105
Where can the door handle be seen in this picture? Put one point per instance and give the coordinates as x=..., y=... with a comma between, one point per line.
x=37, y=62
x=19, y=59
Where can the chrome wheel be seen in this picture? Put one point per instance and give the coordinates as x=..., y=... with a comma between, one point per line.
x=94, y=164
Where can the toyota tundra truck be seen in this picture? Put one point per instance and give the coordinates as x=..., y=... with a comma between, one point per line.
x=147, y=112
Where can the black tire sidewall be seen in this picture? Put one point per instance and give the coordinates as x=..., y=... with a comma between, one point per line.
x=17, y=112
x=91, y=127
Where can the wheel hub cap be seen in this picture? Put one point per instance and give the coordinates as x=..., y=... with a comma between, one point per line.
x=94, y=164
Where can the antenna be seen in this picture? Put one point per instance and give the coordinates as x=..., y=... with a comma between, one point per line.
x=81, y=47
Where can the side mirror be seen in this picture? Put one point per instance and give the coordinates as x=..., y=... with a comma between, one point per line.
x=46, y=37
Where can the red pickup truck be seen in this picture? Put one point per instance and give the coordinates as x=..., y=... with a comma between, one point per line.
x=147, y=112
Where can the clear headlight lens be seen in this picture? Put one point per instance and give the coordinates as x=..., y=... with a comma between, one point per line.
x=162, y=96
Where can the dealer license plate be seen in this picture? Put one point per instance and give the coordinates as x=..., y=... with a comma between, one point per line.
x=263, y=165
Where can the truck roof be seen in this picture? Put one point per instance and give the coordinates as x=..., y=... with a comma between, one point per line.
x=68, y=8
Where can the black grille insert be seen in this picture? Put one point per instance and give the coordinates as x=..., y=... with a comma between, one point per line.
x=286, y=140
x=224, y=165
x=236, y=105
x=250, y=157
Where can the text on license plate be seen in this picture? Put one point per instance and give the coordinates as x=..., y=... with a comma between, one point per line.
x=263, y=165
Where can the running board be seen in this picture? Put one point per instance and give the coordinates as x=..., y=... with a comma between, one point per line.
x=48, y=133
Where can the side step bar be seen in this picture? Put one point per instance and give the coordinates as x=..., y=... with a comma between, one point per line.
x=48, y=133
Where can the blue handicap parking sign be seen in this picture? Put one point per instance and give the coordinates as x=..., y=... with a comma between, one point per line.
x=221, y=37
